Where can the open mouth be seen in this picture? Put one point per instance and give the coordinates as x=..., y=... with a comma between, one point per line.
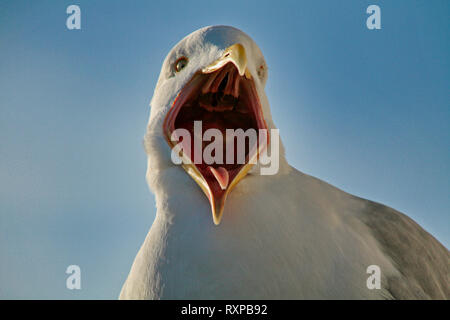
x=222, y=100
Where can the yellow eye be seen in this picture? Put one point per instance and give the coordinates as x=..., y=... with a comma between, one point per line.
x=180, y=64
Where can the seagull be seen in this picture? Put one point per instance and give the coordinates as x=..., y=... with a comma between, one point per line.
x=283, y=235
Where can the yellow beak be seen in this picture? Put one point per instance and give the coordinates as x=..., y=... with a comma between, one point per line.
x=236, y=55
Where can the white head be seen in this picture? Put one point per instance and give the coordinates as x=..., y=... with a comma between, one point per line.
x=215, y=75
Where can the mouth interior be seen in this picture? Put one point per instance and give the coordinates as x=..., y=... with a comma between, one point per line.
x=220, y=100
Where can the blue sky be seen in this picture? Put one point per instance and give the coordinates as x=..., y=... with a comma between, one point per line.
x=367, y=111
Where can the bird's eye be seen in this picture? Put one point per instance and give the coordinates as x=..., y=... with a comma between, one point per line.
x=261, y=70
x=180, y=64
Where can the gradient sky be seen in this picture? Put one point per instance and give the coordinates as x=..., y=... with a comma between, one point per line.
x=367, y=111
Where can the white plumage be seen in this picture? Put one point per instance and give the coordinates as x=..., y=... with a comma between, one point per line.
x=285, y=236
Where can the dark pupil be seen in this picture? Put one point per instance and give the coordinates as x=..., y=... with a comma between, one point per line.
x=181, y=64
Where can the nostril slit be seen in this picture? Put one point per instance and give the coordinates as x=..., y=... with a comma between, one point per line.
x=223, y=83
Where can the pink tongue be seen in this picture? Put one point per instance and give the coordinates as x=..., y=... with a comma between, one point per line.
x=221, y=174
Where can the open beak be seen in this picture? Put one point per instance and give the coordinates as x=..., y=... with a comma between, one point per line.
x=222, y=96
x=234, y=54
